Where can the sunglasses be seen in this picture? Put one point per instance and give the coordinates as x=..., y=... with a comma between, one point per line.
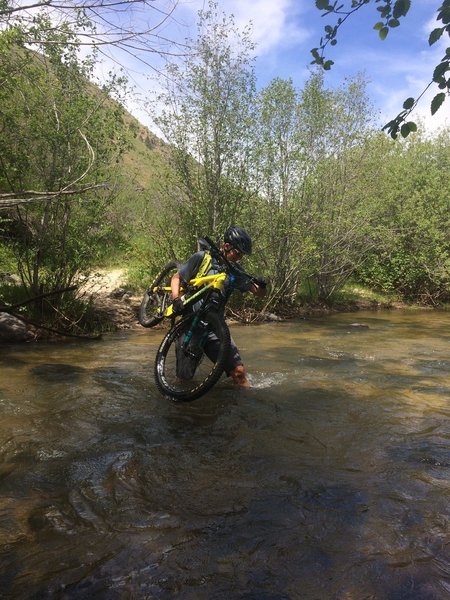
x=236, y=252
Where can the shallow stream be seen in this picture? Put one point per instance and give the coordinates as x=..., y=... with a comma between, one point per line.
x=328, y=480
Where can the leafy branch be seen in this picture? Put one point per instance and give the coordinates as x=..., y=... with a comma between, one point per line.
x=391, y=12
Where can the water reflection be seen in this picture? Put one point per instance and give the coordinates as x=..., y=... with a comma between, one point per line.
x=328, y=480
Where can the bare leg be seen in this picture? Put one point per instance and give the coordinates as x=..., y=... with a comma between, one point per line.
x=239, y=377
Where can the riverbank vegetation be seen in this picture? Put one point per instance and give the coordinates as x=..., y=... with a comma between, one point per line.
x=327, y=197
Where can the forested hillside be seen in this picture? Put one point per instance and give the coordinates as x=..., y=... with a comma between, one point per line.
x=327, y=197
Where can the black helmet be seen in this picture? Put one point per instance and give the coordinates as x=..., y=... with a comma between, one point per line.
x=239, y=239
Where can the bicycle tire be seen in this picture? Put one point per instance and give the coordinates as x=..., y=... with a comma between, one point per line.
x=209, y=369
x=151, y=310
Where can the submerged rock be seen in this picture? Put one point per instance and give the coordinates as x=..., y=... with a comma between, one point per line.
x=272, y=317
x=13, y=329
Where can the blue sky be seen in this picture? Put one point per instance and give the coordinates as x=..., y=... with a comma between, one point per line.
x=285, y=30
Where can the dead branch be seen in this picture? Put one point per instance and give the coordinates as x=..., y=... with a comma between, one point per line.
x=11, y=199
x=52, y=329
x=11, y=309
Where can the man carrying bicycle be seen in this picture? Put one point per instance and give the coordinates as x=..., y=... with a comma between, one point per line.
x=236, y=244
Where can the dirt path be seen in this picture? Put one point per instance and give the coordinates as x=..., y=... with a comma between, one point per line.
x=112, y=299
x=105, y=281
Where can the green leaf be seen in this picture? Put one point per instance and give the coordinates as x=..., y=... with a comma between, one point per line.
x=378, y=25
x=404, y=130
x=327, y=64
x=408, y=103
x=436, y=102
x=392, y=128
x=322, y=4
x=383, y=33
x=444, y=15
x=394, y=23
x=440, y=70
x=401, y=8
x=435, y=35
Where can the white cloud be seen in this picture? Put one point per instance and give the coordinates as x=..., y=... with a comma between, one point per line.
x=274, y=24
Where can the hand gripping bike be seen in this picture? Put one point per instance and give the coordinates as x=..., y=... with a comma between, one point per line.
x=192, y=355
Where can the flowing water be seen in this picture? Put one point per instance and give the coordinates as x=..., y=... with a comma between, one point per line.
x=328, y=480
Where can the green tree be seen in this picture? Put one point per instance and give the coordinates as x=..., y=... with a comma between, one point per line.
x=334, y=202
x=279, y=172
x=410, y=232
x=313, y=181
x=208, y=119
x=58, y=138
x=390, y=13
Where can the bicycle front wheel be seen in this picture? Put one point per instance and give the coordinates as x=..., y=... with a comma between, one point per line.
x=156, y=299
x=191, y=357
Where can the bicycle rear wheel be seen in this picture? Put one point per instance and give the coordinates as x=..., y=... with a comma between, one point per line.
x=156, y=299
x=191, y=357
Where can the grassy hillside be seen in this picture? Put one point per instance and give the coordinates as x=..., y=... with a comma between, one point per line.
x=147, y=160
x=141, y=186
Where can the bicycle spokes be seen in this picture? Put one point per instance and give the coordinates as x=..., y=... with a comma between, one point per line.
x=191, y=357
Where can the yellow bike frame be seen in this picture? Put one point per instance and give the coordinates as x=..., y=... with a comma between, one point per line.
x=208, y=282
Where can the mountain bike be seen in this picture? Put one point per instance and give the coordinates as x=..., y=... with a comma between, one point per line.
x=191, y=357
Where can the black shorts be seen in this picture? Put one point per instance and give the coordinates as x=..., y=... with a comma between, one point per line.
x=212, y=350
